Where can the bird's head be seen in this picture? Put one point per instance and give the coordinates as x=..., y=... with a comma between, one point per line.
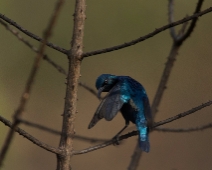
x=105, y=82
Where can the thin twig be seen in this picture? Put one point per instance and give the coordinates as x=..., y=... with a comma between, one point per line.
x=45, y=57
x=91, y=90
x=177, y=42
x=193, y=110
x=192, y=25
x=117, y=47
x=133, y=133
x=31, y=138
x=164, y=79
x=28, y=44
x=28, y=87
x=55, y=65
x=134, y=162
x=30, y=34
x=56, y=132
x=157, y=31
x=171, y=17
x=201, y=128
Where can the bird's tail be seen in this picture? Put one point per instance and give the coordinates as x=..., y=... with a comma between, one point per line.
x=144, y=145
x=144, y=139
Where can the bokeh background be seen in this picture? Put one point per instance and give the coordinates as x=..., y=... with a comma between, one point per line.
x=108, y=23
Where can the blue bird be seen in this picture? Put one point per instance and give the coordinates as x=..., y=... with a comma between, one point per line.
x=129, y=97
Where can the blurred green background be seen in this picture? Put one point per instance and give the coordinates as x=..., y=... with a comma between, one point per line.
x=108, y=23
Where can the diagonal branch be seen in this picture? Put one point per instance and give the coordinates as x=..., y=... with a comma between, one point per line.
x=28, y=44
x=177, y=42
x=192, y=25
x=56, y=132
x=30, y=34
x=171, y=18
x=28, y=87
x=155, y=32
x=134, y=133
x=70, y=108
x=201, y=128
x=31, y=138
x=91, y=90
x=45, y=57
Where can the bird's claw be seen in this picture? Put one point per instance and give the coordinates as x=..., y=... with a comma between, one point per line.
x=116, y=140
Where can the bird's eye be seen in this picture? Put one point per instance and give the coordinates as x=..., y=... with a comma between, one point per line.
x=105, y=82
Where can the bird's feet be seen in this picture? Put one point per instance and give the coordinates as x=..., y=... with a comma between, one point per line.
x=116, y=140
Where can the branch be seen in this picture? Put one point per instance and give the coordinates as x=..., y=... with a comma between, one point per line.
x=28, y=44
x=134, y=162
x=157, y=31
x=91, y=90
x=201, y=128
x=70, y=109
x=56, y=132
x=45, y=57
x=192, y=25
x=177, y=42
x=193, y=110
x=51, y=45
x=134, y=133
x=25, y=96
x=31, y=138
x=171, y=18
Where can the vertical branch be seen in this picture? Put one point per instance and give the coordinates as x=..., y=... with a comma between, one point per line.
x=164, y=78
x=171, y=17
x=178, y=40
x=70, y=109
x=193, y=23
x=135, y=158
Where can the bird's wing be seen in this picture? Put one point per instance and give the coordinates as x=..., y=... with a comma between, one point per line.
x=109, y=106
x=112, y=103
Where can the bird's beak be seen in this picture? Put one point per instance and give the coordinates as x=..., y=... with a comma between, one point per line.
x=101, y=89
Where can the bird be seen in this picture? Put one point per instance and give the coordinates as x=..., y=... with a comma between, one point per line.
x=129, y=97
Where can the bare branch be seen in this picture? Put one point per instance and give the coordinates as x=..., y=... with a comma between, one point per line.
x=45, y=57
x=157, y=31
x=93, y=148
x=92, y=91
x=192, y=25
x=170, y=62
x=201, y=128
x=70, y=109
x=134, y=133
x=195, y=109
x=171, y=18
x=32, y=139
x=51, y=45
x=164, y=79
x=56, y=132
x=135, y=158
x=177, y=41
x=55, y=65
x=25, y=96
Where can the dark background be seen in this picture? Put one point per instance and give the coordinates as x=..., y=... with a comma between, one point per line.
x=109, y=23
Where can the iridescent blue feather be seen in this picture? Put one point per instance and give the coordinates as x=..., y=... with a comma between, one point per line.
x=127, y=96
